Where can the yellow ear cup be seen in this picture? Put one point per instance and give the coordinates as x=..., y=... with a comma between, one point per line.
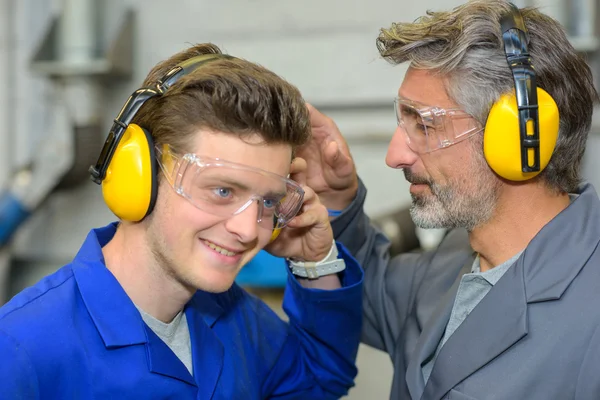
x=501, y=140
x=275, y=234
x=129, y=188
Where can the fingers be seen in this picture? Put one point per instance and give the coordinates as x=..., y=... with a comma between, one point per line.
x=322, y=126
x=305, y=220
x=309, y=196
x=312, y=212
x=326, y=132
x=317, y=118
x=332, y=154
x=340, y=162
x=298, y=166
x=298, y=171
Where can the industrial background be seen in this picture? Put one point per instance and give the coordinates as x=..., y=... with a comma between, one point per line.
x=67, y=66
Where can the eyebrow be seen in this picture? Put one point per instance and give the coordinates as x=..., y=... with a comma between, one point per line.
x=406, y=109
x=236, y=184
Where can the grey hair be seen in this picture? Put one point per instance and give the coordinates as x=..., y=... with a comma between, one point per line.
x=465, y=46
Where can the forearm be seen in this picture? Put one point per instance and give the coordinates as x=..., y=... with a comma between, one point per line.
x=326, y=326
x=354, y=230
x=370, y=247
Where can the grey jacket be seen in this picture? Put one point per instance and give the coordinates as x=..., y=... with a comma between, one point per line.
x=535, y=335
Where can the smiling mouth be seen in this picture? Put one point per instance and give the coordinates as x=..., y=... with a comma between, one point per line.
x=219, y=249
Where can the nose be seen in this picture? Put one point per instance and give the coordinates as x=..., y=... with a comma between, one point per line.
x=245, y=223
x=399, y=154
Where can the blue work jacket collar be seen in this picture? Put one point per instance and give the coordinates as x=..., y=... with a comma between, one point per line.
x=120, y=324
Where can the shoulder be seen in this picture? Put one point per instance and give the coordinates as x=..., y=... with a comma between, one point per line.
x=435, y=271
x=35, y=309
x=445, y=261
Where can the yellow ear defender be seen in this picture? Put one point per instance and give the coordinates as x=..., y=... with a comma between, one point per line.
x=522, y=127
x=127, y=166
x=275, y=234
x=129, y=186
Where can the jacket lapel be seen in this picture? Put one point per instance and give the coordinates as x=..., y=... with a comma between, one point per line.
x=208, y=352
x=542, y=273
x=431, y=336
x=120, y=324
x=498, y=322
x=161, y=360
x=559, y=251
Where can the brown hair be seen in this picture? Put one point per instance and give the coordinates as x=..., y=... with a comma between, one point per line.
x=466, y=46
x=228, y=95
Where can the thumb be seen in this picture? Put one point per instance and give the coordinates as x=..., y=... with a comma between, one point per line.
x=298, y=170
x=334, y=156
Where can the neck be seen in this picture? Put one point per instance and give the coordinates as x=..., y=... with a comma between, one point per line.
x=521, y=212
x=144, y=279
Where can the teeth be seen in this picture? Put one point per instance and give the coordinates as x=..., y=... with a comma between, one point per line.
x=219, y=249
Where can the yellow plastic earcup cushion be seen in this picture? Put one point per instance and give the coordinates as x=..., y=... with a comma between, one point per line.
x=275, y=234
x=127, y=187
x=501, y=141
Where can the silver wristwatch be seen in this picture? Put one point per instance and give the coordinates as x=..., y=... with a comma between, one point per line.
x=315, y=269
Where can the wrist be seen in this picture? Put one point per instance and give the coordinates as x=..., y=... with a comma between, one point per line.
x=318, y=258
x=328, y=265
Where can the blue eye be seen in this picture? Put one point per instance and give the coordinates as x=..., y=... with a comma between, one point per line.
x=269, y=203
x=223, y=192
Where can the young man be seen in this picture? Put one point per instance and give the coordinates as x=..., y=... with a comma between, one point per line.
x=505, y=308
x=195, y=168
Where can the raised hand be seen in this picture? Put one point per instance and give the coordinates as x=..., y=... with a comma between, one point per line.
x=308, y=237
x=331, y=172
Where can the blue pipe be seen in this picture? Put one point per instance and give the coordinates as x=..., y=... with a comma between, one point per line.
x=12, y=214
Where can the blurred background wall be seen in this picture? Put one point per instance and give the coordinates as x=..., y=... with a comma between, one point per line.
x=67, y=66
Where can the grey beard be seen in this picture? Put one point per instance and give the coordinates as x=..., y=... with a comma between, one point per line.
x=446, y=208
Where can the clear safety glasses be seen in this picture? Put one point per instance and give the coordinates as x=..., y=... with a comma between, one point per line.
x=225, y=188
x=431, y=128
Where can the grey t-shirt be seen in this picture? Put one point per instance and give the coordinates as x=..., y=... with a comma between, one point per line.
x=175, y=334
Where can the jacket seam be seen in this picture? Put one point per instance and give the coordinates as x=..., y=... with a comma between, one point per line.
x=37, y=297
